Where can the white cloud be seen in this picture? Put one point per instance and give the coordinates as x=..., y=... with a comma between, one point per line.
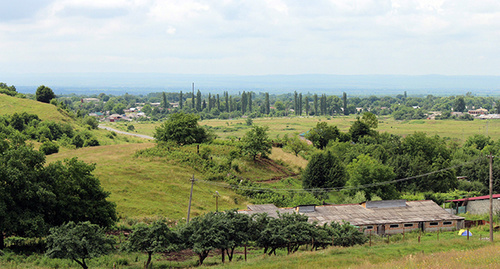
x=256, y=37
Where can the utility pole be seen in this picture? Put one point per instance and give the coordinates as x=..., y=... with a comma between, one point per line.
x=190, y=198
x=491, y=197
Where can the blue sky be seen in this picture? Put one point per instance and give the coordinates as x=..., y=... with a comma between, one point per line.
x=254, y=37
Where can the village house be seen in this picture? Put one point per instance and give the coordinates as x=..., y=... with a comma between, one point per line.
x=475, y=205
x=480, y=111
x=378, y=217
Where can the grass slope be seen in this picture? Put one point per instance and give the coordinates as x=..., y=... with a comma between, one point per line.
x=10, y=105
x=145, y=188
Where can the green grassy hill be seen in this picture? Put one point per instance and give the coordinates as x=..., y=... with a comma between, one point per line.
x=10, y=105
x=146, y=188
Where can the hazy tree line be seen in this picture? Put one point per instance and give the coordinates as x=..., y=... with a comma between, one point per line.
x=252, y=104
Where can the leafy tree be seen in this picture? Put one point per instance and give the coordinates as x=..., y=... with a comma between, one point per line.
x=78, y=242
x=359, y=129
x=256, y=141
x=322, y=134
x=183, y=129
x=296, y=145
x=151, y=239
x=78, y=194
x=365, y=170
x=459, y=105
x=370, y=120
x=288, y=231
x=343, y=234
x=44, y=94
x=324, y=170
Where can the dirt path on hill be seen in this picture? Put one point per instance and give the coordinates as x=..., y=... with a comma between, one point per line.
x=125, y=133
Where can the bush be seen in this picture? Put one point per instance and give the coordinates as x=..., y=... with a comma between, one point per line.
x=49, y=147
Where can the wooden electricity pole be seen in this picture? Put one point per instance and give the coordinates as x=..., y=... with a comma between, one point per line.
x=491, y=197
x=190, y=198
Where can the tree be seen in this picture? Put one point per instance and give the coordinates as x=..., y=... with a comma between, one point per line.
x=44, y=94
x=324, y=170
x=358, y=129
x=151, y=239
x=256, y=141
x=181, y=100
x=198, y=101
x=365, y=170
x=267, y=104
x=183, y=129
x=78, y=242
x=344, y=103
x=296, y=145
x=370, y=120
x=322, y=134
x=459, y=105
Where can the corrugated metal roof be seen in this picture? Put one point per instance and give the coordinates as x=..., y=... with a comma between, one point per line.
x=385, y=203
x=414, y=211
x=484, y=197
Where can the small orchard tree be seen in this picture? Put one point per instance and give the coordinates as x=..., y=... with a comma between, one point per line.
x=296, y=145
x=78, y=242
x=256, y=141
x=151, y=239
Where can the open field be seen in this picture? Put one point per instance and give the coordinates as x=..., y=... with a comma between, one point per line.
x=453, y=129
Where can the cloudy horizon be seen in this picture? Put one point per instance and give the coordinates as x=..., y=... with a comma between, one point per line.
x=260, y=37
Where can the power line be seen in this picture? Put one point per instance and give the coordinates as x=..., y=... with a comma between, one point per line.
x=246, y=188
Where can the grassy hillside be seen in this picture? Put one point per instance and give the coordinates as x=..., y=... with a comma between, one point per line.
x=10, y=105
x=144, y=187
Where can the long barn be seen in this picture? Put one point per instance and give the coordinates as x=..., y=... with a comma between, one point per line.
x=380, y=217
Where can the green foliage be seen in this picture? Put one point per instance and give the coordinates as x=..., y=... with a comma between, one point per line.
x=322, y=134
x=459, y=105
x=49, y=147
x=256, y=141
x=91, y=121
x=288, y=231
x=364, y=170
x=359, y=129
x=44, y=94
x=370, y=120
x=224, y=230
x=34, y=197
x=182, y=129
x=324, y=170
x=296, y=145
x=78, y=242
x=151, y=239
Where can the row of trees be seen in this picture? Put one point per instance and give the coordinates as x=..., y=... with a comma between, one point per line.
x=263, y=104
x=224, y=231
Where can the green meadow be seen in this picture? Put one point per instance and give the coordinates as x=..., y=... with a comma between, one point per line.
x=453, y=129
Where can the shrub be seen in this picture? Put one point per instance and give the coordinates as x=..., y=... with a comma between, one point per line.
x=49, y=147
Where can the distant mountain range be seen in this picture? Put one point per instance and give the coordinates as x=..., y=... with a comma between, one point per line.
x=354, y=85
